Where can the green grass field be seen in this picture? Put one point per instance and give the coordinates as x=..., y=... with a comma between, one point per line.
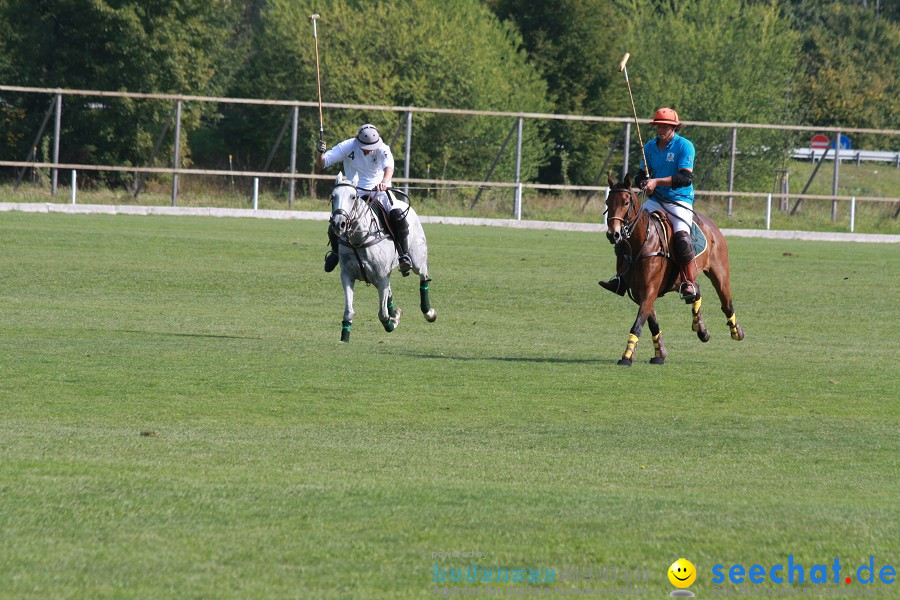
x=179, y=420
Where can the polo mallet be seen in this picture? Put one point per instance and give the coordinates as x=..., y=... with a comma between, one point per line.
x=313, y=18
x=623, y=69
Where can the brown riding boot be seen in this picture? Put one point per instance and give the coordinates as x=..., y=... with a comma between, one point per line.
x=689, y=291
x=683, y=249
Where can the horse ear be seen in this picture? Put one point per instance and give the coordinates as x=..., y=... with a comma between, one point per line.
x=627, y=180
x=356, y=179
x=340, y=178
x=610, y=180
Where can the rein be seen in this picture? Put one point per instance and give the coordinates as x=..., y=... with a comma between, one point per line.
x=372, y=236
x=628, y=229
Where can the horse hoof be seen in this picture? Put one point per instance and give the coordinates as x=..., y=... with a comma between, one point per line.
x=737, y=335
x=431, y=316
x=703, y=335
x=624, y=362
x=657, y=360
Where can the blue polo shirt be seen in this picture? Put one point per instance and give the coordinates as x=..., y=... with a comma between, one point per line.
x=678, y=154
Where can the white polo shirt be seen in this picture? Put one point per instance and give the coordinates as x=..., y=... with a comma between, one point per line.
x=369, y=168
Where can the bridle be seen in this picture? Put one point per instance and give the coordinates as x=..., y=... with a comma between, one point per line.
x=351, y=225
x=628, y=222
x=352, y=218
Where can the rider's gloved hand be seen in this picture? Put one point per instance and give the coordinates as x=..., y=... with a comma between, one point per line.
x=321, y=147
x=640, y=180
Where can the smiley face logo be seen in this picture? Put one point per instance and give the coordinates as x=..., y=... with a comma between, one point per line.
x=682, y=573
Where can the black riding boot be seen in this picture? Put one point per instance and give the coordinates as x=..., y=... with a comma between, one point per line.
x=401, y=239
x=684, y=255
x=618, y=284
x=331, y=259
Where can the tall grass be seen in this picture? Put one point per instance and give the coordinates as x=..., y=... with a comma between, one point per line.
x=868, y=179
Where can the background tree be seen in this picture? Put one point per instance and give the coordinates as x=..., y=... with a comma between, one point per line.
x=850, y=62
x=717, y=60
x=574, y=46
x=453, y=54
x=173, y=46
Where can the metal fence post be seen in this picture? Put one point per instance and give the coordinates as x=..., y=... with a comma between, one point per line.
x=769, y=212
x=731, y=169
x=852, y=212
x=294, y=119
x=834, y=181
x=627, y=148
x=518, y=200
x=56, y=131
x=518, y=203
x=408, y=152
x=176, y=160
x=75, y=184
x=255, y=193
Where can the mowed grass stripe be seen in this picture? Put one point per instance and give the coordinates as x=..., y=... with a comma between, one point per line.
x=285, y=464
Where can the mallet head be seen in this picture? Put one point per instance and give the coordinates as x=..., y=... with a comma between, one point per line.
x=314, y=16
x=623, y=61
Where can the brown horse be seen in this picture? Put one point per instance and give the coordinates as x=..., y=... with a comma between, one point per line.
x=650, y=271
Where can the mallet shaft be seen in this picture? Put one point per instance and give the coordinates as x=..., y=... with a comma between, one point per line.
x=637, y=125
x=313, y=17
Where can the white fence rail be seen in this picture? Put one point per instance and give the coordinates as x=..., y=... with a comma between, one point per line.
x=847, y=155
x=516, y=186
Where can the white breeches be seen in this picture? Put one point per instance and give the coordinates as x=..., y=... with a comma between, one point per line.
x=680, y=213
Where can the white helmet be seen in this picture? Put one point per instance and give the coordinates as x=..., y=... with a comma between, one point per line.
x=368, y=137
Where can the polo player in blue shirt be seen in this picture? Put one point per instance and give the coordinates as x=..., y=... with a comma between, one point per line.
x=670, y=189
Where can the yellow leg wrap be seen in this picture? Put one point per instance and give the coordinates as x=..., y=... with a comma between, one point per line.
x=656, y=339
x=736, y=333
x=695, y=310
x=629, y=349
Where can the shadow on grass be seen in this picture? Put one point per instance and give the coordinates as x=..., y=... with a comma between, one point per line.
x=194, y=335
x=514, y=359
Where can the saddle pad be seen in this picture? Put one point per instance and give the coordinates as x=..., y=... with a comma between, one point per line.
x=698, y=239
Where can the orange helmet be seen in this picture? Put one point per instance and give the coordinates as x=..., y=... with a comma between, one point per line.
x=665, y=116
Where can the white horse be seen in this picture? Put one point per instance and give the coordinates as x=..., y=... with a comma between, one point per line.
x=368, y=254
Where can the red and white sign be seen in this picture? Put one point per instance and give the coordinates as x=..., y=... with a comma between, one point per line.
x=819, y=142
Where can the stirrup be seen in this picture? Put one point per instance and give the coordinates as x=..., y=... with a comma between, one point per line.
x=404, y=264
x=614, y=285
x=689, y=297
x=331, y=261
